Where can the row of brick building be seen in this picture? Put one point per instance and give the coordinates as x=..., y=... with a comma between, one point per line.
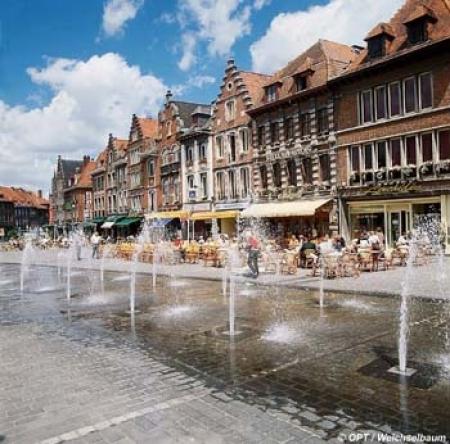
x=21, y=210
x=346, y=138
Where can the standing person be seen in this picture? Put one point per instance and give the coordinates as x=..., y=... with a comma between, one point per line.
x=253, y=247
x=95, y=241
x=77, y=240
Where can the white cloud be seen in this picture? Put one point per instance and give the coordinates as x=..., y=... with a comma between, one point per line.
x=345, y=21
x=200, y=81
x=259, y=4
x=218, y=23
x=89, y=100
x=189, y=42
x=116, y=13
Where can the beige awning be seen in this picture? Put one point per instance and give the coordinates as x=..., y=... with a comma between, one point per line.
x=168, y=215
x=205, y=215
x=285, y=209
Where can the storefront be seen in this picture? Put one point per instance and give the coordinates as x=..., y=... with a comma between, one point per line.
x=394, y=217
x=210, y=223
x=313, y=217
x=169, y=223
x=228, y=217
x=128, y=226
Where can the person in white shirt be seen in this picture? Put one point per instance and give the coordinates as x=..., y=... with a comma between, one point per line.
x=95, y=242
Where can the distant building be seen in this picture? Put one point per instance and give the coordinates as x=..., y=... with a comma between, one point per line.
x=78, y=197
x=65, y=169
x=22, y=210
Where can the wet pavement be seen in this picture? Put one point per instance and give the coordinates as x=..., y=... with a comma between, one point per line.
x=88, y=371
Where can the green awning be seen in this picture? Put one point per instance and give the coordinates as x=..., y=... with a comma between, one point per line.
x=88, y=224
x=114, y=218
x=128, y=221
x=98, y=220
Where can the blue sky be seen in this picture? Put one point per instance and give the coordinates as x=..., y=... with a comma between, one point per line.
x=71, y=71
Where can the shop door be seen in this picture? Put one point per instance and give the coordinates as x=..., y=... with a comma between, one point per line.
x=398, y=224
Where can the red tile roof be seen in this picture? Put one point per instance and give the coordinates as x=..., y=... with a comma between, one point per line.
x=324, y=60
x=437, y=10
x=22, y=197
x=148, y=126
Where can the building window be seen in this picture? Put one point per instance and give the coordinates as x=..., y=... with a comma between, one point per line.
x=277, y=175
x=366, y=106
x=204, y=185
x=230, y=111
x=219, y=147
x=202, y=150
x=380, y=103
x=307, y=174
x=417, y=31
x=381, y=155
x=301, y=82
x=189, y=154
x=261, y=130
x=220, y=181
x=232, y=184
x=444, y=145
x=354, y=159
x=190, y=182
x=411, y=155
x=410, y=94
x=376, y=47
x=395, y=99
x=368, y=157
x=274, y=132
x=263, y=176
x=305, y=124
x=322, y=121
x=425, y=91
x=427, y=147
x=272, y=93
x=289, y=129
x=232, y=145
x=151, y=168
x=292, y=172
x=325, y=171
x=243, y=136
x=245, y=182
x=396, y=153
x=169, y=128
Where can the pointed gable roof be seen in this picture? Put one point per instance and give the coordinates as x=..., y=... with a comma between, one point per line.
x=321, y=62
x=438, y=11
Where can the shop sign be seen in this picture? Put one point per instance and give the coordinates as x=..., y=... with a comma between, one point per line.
x=287, y=154
x=232, y=206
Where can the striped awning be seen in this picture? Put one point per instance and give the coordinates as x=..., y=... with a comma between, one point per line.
x=206, y=215
x=285, y=209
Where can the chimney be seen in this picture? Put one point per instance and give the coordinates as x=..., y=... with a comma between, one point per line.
x=168, y=96
x=86, y=160
x=39, y=194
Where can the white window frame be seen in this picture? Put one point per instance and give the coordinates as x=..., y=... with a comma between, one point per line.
x=219, y=146
x=404, y=95
x=419, y=87
x=230, y=113
x=400, y=103
x=386, y=149
x=243, y=139
x=372, y=151
x=363, y=121
x=402, y=157
x=386, y=112
x=433, y=147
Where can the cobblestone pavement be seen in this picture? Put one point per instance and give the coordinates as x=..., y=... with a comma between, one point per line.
x=88, y=372
x=432, y=279
x=62, y=382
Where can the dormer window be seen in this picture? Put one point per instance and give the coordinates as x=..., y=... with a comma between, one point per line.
x=301, y=82
x=417, y=24
x=272, y=92
x=376, y=47
x=417, y=32
x=378, y=39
